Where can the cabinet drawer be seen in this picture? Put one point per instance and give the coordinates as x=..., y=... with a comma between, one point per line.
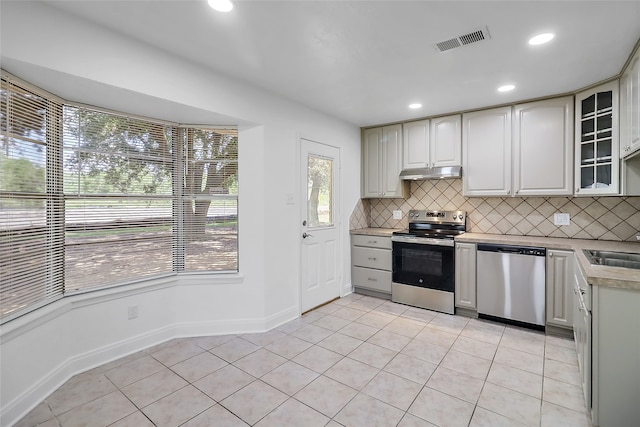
x=371, y=241
x=371, y=279
x=372, y=258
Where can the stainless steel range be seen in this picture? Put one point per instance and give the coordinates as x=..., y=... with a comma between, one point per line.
x=424, y=259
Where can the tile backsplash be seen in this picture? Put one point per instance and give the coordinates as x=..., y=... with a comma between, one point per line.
x=602, y=218
x=361, y=215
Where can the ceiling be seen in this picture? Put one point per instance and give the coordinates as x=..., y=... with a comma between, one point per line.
x=366, y=61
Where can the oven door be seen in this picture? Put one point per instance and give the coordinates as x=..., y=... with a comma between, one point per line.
x=424, y=265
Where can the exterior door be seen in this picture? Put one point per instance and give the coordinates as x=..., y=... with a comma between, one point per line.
x=320, y=249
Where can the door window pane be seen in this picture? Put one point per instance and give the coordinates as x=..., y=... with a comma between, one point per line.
x=319, y=191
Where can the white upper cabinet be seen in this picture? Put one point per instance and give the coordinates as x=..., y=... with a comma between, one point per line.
x=597, y=155
x=392, y=161
x=435, y=142
x=446, y=141
x=372, y=163
x=630, y=108
x=382, y=163
x=543, y=148
x=416, y=145
x=486, y=152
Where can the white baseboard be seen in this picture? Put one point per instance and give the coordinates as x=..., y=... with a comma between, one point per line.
x=18, y=407
x=347, y=289
x=282, y=317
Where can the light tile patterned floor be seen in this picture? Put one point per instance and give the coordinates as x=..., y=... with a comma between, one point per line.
x=359, y=361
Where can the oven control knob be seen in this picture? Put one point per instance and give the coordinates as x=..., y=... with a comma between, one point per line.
x=455, y=216
x=460, y=217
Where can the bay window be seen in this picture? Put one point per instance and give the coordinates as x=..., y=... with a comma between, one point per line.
x=91, y=198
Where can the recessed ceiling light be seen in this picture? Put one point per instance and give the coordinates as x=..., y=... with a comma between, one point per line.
x=415, y=106
x=506, y=88
x=541, y=38
x=221, y=5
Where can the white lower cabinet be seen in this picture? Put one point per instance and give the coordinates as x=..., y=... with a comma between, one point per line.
x=615, y=357
x=371, y=263
x=465, y=289
x=560, y=288
x=607, y=337
x=582, y=331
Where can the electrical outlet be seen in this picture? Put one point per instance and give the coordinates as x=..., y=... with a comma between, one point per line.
x=561, y=219
x=637, y=236
x=133, y=312
x=397, y=214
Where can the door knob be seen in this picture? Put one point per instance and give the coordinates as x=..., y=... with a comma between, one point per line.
x=305, y=235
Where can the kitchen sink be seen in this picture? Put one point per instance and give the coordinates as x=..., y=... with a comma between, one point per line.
x=613, y=259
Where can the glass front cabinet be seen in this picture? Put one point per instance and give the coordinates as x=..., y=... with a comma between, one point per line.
x=597, y=155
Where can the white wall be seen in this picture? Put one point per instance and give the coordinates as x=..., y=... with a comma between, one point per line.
x=75, y=60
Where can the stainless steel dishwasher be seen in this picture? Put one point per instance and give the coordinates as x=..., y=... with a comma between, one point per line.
x=511, y=284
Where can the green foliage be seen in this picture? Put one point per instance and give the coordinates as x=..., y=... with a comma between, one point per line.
x=21, y=176
x=118, y=154
x=112, y=154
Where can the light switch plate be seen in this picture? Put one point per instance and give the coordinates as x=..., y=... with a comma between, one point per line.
x=561, y=219
x=397, y=214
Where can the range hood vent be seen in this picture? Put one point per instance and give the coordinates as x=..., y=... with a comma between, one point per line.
x=438, y=172
x=463, y=40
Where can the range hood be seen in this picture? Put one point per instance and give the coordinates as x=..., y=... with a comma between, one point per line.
x=437, y=172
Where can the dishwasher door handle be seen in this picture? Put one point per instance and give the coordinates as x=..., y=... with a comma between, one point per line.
x=509, y=251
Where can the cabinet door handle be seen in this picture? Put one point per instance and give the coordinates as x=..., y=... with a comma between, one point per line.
x=373, y=241
x=371, y=258
x=551, y=254
x=371, y=279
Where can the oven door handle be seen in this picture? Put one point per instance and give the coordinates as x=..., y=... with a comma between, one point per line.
x=423, y=240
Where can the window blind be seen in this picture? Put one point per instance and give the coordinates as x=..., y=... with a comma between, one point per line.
x=118, y=189
x=31, y=208
x=209, y=240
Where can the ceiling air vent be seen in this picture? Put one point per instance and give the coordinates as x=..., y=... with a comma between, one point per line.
x=465, y=39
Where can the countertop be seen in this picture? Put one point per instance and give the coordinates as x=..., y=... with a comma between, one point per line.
x=597, y=275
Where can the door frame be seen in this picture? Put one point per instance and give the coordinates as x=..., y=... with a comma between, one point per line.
x=337, y=215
